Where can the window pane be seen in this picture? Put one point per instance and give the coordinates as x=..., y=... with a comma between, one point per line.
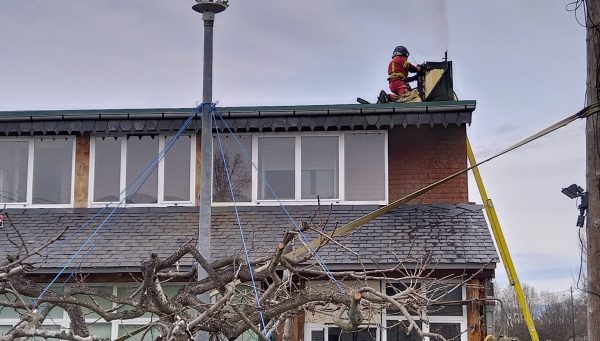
x=443, y=293
x=447, y=330
x=365, y=166
x=102, y=302
x=317, y=335
x=127, y=329
x=392, y=289
x=367, y=334
x=52, y=164
x=107, y=169
x=55, y=313
x=276, y=163
x=140, y=152
x=4, y=329
x=101, y=330
x=177, y=170
x=129, y=291
x=320, y=167
x=239, y=166
x=396, y=331
x=248, y=336
x=10, y=313
x=13, y=171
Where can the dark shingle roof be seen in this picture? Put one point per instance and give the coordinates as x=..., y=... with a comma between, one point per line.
x=455, y=236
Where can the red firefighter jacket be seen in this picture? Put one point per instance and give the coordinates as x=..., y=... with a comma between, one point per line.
x=399, y=68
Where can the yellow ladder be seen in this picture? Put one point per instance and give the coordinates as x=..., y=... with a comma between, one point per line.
x=502, y=247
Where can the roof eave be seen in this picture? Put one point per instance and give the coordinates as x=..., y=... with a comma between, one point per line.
x=242, y=112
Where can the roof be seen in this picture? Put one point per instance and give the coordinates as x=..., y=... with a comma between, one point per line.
x=265, y=118
x=455, y=236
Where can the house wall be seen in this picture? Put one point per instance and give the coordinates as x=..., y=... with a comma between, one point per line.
x=421, y=156
x=417, y=157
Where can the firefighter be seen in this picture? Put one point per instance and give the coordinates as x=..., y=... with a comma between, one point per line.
x=398, y=78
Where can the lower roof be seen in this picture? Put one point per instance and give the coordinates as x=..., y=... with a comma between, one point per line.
x=452, y=236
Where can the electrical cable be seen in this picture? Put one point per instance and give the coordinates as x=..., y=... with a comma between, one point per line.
x=574, y=7
x=237, y=216
x=580, y=272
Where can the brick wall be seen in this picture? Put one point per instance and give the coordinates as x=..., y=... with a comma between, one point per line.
x=421, y=156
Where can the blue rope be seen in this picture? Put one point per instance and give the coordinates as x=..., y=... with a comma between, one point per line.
x=301, y=233
x=131, y=188
x=62, y=240
x=237, y=216
x=143, y=177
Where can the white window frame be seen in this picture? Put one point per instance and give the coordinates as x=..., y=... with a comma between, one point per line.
x=310, y=327
x=298, y=169
x=160, y=168
x=429, y=318
x=30, y=163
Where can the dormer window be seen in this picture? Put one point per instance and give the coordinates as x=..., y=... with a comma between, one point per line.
x=37, y=171
x=347, y=167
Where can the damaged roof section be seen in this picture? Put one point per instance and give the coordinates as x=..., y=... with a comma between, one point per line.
x=450, y=236
x=241, y=119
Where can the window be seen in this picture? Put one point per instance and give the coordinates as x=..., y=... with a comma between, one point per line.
x=299, y=167
x=177, y=166
x=118, y=163
x=107, y=173
x=37, y=171
x=332, y=333
x=398, y=331
x=13, y=171
x=276, y=162
x=447, y=330
x=448, y=320
x=140, y=151
x=238, y=165
x=320, y=167
x=58, y=319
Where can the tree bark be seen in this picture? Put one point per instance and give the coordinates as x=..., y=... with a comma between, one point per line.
x=593, y=171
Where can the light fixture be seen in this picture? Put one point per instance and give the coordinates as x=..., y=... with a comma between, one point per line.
x=574, y=191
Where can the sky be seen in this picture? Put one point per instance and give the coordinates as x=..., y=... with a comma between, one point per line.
x=522, y=61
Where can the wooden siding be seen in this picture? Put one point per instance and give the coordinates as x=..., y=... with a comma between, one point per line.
x=82, y=170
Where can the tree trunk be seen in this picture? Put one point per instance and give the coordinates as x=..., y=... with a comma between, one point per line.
x=593, y=171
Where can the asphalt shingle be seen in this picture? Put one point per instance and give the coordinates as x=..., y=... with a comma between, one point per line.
x=448, y=234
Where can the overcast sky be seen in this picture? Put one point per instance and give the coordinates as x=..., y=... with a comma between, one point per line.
x=522, y=61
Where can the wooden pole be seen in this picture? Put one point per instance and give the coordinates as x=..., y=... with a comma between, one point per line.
x=593, y=171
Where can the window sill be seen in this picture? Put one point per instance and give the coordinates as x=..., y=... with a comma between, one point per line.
x=298, y=203
x=164, y=204
x=26, y=205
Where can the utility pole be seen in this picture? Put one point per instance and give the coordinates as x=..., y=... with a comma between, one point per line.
x=208, y=10
x=593, y=170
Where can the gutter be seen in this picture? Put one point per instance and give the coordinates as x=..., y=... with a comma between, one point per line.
x=332, y=266
x=291, y=111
